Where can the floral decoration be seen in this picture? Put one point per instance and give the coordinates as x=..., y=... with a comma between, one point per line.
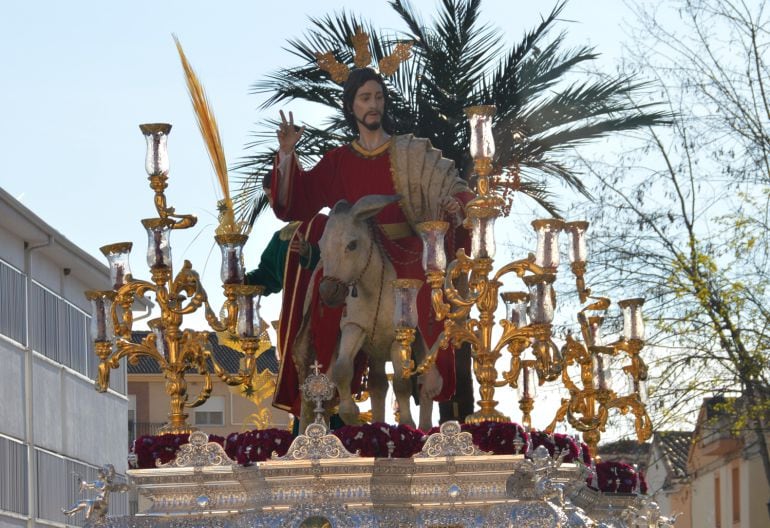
x=617, y=477
x=257, y=445
x=150, y=448
x=558, y=443
x=381, y=440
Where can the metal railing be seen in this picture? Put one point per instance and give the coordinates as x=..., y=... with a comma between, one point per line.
x=59, y=487
x=57, y=328
x=13, y=476
x=13, y=303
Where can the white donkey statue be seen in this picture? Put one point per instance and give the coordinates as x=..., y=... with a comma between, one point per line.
x=357, y=272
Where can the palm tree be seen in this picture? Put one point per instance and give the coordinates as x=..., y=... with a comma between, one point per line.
x=456, y=63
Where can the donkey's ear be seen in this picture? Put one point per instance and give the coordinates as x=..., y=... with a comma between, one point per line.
x=343, y=206
x=371, y=204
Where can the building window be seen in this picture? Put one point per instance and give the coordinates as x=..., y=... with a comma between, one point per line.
x=717, y=503
x=211, y=413
x=736, y=492
x=13, y=299
x=13, y=476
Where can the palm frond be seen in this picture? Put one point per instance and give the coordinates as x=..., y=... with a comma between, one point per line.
x=207, y=124
x=458, y=62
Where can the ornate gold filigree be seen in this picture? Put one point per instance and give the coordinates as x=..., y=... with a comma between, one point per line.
x=401, y=53
x=362, y=57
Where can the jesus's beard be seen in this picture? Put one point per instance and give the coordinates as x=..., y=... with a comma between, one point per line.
x=372, y=126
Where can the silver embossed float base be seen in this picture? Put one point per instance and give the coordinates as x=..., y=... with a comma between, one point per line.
x=437, y=490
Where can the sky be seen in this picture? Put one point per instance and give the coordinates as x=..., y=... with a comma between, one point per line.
x=79, y=77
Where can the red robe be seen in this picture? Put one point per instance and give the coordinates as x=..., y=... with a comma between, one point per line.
x=346, y=173
x=296, y=280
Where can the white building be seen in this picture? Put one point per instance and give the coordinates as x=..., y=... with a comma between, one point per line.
x=728, y=484
x=53, y=424
x=667, y=479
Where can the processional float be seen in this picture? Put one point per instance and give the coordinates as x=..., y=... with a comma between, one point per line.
x=450, y=481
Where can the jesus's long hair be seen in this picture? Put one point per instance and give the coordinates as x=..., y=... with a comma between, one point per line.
x=357, y=78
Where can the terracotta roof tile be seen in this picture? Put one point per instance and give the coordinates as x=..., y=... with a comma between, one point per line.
x=674, y=448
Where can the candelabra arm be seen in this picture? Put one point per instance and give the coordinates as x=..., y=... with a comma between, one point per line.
x=253, y=347
x=124, y=298
x=213, y=320
x=110, y=358
x=183, y=221
x=158, y=184
x=516, y=340
x=187, y=282
x=590, y=423
x=579, y=269
x=204, y=394
x=458, y=267
x=520, y=267
x=642, y=424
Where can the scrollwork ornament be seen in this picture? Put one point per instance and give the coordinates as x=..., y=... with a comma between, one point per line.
x=199, y=452
x=315, y=444
x=449, y=441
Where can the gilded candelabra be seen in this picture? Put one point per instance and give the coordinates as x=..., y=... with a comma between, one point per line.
x=527, y=332
x=176, y=350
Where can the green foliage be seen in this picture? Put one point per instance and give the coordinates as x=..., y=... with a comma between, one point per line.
x=457, y=62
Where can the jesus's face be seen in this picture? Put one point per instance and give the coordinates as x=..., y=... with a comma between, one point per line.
x=369, y=105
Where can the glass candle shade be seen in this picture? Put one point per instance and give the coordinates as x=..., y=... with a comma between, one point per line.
x=161, y=345
x=601, y=371
x=117, y=258
x=633, y=322
x=101, y=327
x=248, y=298
x=232, y=269
x=158, y=242
x=432, y=235
x=156, y=134
x=595, y=330
x=516, y=307
x=527, y=386
x=480, y=120
x=547, y=254
x=405, y=302
x=577, y=245
x=483, y=237
x=542, y=299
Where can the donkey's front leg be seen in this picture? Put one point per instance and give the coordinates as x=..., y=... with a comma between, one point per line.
x=351, y=340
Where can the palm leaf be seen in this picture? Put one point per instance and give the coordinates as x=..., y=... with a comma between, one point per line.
x=458, y=62
x=207, y=124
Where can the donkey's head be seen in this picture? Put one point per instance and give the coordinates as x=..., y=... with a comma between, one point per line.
x=348, y=245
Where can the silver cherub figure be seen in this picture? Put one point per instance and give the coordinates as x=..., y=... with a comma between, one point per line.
x=96, y=508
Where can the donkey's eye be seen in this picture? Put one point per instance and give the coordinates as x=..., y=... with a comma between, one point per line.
x=352, y=245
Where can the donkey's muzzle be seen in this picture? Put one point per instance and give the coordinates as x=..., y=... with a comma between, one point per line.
x=333, y=291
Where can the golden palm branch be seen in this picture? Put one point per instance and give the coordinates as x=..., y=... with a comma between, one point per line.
x=207, y=124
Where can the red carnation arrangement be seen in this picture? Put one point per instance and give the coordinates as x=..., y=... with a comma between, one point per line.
x=381, y=440
x=498, y=438
x=557, y=444
x=257, y=445
x=150, y=448
x=617, y=477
